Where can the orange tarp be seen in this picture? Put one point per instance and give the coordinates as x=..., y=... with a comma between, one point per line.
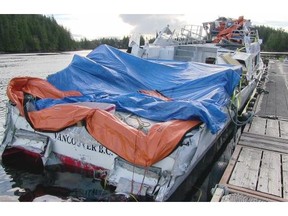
x=134, y=145
x=129, y=143
x=35, y=86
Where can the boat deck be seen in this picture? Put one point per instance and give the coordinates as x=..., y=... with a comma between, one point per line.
x=258, y=168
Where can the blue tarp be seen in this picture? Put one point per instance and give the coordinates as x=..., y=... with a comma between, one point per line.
x=112, y=76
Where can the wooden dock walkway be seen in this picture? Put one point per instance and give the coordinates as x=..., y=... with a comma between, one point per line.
x=258, y=168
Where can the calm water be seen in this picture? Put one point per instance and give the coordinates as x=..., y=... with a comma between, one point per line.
x=18, y=184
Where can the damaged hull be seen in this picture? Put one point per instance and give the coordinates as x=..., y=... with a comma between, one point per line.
x=147, y=128
x=74, y=147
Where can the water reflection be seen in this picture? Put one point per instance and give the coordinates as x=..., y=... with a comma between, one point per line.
x=27, y=184
x=56, y=182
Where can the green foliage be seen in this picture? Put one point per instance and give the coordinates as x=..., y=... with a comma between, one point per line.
x=120, y=44
x=33, y=33
x=274, y=40
x=38, y=33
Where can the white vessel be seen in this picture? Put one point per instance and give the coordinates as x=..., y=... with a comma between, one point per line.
x=142, y=126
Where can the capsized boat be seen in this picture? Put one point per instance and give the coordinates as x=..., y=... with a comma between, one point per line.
x=142, y=126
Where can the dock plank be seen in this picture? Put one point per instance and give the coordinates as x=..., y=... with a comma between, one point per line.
x=272, y=128
x=281, y=92
x=275, y=102
x=218, y=194
x=264, y=142
x=246, y=170
x=283, y=129
x=259, y=164
x=247, y=127
x=229, y=169
x=271, y=99
x=285, y=175
x=258, y=126
x=270, y=174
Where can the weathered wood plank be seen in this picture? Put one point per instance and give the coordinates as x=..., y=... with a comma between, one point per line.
x=283, y=129
x=256, y=194
x=219, y=192
x=281, y=92
x=271, y=99
x=258, y=126
x=279, y=148
x=267, y=143
x=247, y=127
x=261, y=106
x=272, y=128
x=228, y=171
x=285, y=175
x=273, y=139
x=246, y=169
x=275, y=102
x=270, y=174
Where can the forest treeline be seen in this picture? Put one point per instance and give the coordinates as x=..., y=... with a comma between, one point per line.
x=274, y=40
x=40, y=33
x=33, y=33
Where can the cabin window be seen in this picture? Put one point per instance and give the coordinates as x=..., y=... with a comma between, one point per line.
x=241, y=62
x=210, y=60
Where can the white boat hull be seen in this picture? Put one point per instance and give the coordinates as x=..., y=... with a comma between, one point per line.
x=75, y=147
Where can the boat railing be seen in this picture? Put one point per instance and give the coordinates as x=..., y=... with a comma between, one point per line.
x=190, y=34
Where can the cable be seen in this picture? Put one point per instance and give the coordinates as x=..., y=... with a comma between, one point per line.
x=237, y=122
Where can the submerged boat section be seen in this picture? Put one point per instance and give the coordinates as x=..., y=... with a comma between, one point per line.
x=142, y=126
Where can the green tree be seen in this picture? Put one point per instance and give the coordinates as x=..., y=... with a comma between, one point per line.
x=274, y=40
x=33, y=33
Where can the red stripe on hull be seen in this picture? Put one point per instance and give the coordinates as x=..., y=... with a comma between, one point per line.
x=19, y=155
x=76, y=165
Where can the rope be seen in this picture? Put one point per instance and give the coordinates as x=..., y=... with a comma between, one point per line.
x=131, y=195
x=142, y=183
x=141, y=124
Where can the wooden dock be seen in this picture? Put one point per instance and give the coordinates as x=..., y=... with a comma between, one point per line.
x=258, y=168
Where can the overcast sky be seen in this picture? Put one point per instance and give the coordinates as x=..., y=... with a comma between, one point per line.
x=117, y=18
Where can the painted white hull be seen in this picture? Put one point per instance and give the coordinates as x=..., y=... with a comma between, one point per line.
x=75, y=147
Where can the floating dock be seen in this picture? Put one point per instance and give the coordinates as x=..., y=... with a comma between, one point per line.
x=258, y=168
